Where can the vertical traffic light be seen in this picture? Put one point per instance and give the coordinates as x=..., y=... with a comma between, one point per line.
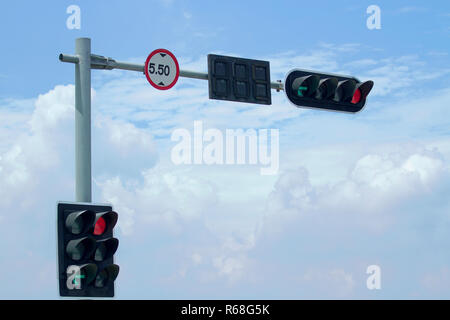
x=86, y=248
x=311, y=89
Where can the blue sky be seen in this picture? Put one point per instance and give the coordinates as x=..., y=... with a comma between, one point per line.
x=196, y=28
x=352, y=190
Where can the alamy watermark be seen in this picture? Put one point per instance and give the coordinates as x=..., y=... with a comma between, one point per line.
x=374, y=20
x=236, y=146
x=74, y=20
x=374, y=280
x=74, y=277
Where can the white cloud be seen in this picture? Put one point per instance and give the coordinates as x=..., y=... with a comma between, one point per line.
x=197, y=258
x=374, y=186
x=228, y=265
x=166, y=197
x=324, y=281
x=437, y=281
x=378, y=209
x=166, y=2
x=393, y=75
x=409, y=9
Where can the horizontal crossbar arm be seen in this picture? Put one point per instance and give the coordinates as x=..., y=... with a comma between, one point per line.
x=101, y=62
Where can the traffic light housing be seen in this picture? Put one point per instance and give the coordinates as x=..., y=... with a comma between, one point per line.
x=86, y=249
x=239, y=79
x=327, y=91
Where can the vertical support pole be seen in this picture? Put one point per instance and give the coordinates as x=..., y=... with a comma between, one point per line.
x=83, y=120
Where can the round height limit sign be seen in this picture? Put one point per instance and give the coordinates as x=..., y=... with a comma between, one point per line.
x=162, y=69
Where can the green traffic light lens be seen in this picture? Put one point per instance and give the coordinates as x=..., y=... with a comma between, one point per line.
x=88, y=273
x=305, y=86
x=300, y=90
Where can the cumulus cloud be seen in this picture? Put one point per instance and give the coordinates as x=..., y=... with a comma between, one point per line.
x=375, y=185
x=346, y=225
x=165, y=196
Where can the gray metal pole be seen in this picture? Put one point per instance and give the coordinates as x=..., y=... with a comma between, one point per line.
x=83, y=120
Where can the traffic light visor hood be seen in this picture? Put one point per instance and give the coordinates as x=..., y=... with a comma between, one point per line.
x=106, y=249
x=365, y=88
x=80, y=221
x=80, y=249
x=305, y=86
x=345, y=90
x=327, y=88
x=108, y=274
x=88, y=271
x=105, y=222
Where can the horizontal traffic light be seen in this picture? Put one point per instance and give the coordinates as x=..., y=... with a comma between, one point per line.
x=86, y=249
x=312, y=89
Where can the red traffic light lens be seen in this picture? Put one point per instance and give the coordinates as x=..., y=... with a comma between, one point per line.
x=100, y=226
x=356, y=96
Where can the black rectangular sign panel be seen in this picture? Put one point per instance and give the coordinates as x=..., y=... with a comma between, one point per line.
x=238, y=79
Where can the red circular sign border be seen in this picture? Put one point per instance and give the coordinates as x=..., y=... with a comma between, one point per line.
x=146, y=69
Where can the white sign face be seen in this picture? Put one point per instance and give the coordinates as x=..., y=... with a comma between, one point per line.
x=162, y=69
